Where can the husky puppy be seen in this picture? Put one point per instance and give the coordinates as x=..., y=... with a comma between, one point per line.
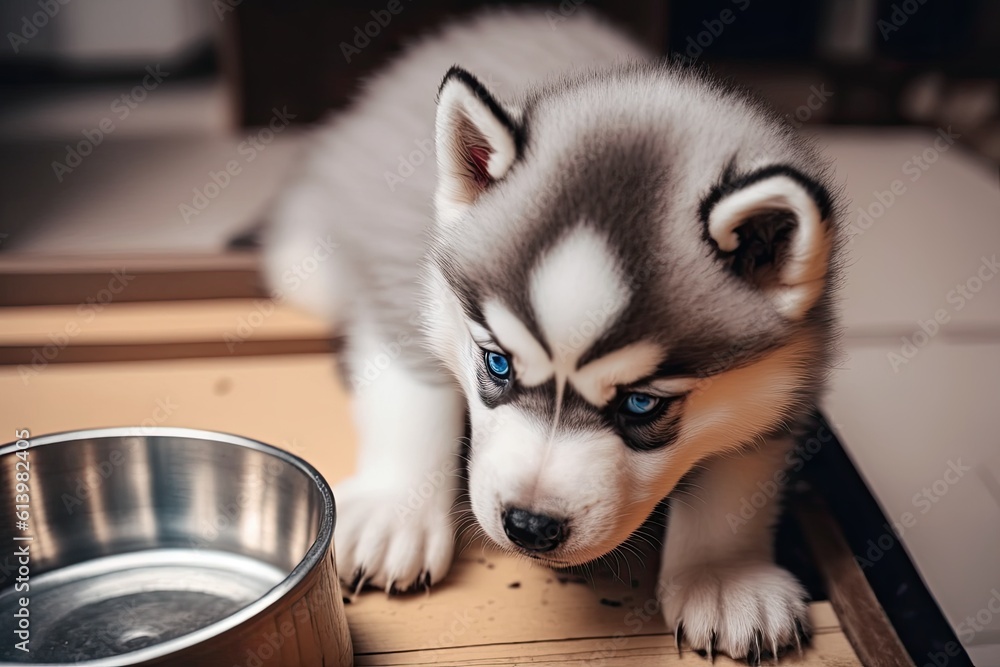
x=619, y=271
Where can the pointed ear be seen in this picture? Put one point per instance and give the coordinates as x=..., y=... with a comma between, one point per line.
x=476, y=142
x=772, y=228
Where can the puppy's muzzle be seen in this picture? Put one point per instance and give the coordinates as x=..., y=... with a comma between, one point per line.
x=533, y=532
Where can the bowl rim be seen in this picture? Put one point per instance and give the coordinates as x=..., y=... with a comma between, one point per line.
x=318, y=550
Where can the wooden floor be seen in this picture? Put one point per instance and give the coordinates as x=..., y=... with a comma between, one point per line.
x=494, y=610
x=491, y=610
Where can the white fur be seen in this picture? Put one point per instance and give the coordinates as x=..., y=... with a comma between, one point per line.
x=393, y=516
x=411, y=418
x=577, y=291
x=449, y=335
x=597, y=381
x=459, y=108
x=801, y=280
x=673, y=386
x=531, y=362
x=607, y=489
x=717, y=574
x=326, y=291
x=351, y=185
x=529, y=465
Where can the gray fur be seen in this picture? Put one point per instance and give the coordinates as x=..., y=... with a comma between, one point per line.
x=638, y=164
x=639, y=150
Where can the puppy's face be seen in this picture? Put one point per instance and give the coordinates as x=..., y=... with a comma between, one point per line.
x=603, y=352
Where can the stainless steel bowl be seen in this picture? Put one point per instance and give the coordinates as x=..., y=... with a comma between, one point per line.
x=166, y=546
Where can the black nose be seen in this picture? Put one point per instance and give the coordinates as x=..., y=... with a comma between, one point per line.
x=534, y=532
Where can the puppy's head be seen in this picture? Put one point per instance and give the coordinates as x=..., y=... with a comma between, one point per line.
x=626, y=278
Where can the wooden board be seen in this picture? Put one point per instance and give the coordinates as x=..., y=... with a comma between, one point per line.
x=491, y=610
x=35, y=280
x=37, y=336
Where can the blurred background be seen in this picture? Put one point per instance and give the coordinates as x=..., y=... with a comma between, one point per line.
x=90, y=138
x=141, y=141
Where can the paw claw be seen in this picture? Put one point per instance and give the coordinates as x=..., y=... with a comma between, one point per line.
x=802, y=636
x=357, y=581
x=754, y=655
x=362, y=582
x=399, y=552
x=746, y=610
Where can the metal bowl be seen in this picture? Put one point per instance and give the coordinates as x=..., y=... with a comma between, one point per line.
x=166, y=546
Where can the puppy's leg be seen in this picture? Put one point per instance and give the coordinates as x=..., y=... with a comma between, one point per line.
x=394, y=528
x=718, y=585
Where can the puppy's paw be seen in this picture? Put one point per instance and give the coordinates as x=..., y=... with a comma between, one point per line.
x=389, y=541
x=746, y=610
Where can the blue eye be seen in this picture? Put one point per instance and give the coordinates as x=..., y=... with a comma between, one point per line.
x=640, y=404
x=498, y=365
